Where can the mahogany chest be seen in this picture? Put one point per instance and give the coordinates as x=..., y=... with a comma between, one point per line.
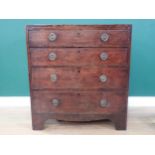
x=79, y=72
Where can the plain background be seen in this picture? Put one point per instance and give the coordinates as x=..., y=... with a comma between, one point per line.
x=13, y=54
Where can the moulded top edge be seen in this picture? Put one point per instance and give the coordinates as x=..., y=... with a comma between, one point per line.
x=80, y=27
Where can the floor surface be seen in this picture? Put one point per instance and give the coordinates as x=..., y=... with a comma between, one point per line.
x=17, y=121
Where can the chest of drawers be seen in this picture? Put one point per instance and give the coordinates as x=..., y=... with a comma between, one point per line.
x=79, y=72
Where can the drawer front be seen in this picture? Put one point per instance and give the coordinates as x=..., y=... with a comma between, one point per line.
x=79, y=56
x=79, y=38
x=79, y=78
x=78, y=102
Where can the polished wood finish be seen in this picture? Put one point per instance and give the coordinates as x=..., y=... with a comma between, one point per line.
x=72, y=56
x=80, y=27
x=79, y=78
x=78, y=38
x=78, y=67
x=87, y=102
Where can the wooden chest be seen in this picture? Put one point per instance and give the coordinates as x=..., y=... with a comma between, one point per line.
x=79, y=72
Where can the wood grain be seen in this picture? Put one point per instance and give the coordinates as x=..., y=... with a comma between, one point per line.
x=79, y=38
x=80, y=102
x=78, y=68
x=80, y=27
x=79, y=78
x=79, y=56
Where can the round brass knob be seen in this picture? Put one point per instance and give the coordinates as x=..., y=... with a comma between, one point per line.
x=103, y=103
x=103, y=78
x=53, y=77
x=104, y=37
x=103, y=56
x=52, y=56
x=55, y=102
x=52, y=37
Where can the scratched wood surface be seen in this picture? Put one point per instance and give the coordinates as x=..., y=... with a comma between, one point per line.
x=79, y=78
x=78, y=67
x=87, y=102
x=79, y=57
x=79, y=38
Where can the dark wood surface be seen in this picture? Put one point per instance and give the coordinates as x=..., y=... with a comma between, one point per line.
x=87, y=102
x=80, y=27
x=78, y=67
x=79, y=56
x=79, y=78
x=78, y=38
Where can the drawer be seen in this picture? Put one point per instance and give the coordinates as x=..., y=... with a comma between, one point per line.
x=79, y=56
x=78, y=38
x=78, y=101
x=79, y=78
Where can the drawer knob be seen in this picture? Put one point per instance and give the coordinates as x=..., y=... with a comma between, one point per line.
x=103, y=78
x=53, y=77
x=104, y=56
x=103, y=103
x=52, y=37
x=55, y=102
x=52, y=56
x=104, y=37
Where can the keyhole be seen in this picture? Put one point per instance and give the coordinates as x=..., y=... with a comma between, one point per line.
x=79, y=70
x=78, y=33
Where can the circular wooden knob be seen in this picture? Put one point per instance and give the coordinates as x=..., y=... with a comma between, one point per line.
x=52, y=37
x=103, y=56
x=103, y=103
x=104, y=37
x=55, y=102
x=103, y=78
x=52, y=56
